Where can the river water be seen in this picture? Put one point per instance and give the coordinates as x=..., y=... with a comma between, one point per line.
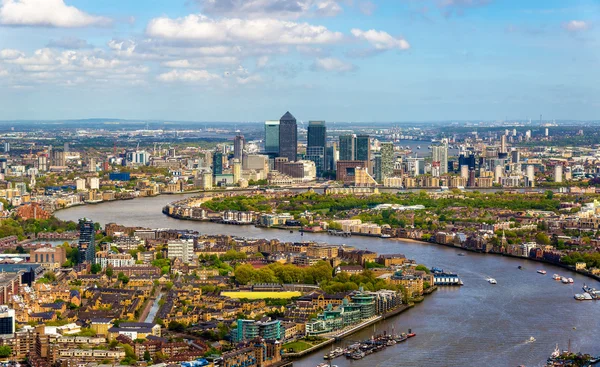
x=475, y=325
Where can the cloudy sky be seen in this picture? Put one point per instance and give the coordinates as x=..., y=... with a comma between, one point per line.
x=338, y=60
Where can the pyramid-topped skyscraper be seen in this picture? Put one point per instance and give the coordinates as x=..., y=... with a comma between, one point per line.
x=288, y=137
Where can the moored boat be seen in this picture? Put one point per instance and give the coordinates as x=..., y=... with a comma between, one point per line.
x=541, y=271
x=571, y=281
x=556, y=277
x=492, y=281
x=564, y=280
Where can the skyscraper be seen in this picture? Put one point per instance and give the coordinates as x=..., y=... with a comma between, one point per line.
x=317, y=134
x=387, y=160
x=316, y=149
x=347, y=147
x=288, y=137
x=238, y=147
x=440, y=155
x=87, y=237
x=217, y=163
x=272, y=137
x=362, y=151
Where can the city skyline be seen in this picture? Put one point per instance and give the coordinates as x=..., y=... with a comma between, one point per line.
x=370, y=60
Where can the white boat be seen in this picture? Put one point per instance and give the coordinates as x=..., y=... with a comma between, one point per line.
x=542, y=272
x=570, y=280
x=583, y=297
x=564, y=280
x=531, y=339
x=556, y=352
x=556, y=277
x=492, y=281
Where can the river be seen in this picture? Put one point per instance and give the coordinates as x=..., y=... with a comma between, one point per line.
x=475, y=325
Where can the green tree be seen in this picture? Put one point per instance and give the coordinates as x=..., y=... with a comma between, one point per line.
x=5, y=351
x=147, y=356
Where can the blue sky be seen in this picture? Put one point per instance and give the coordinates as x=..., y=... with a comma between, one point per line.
x=338, y=60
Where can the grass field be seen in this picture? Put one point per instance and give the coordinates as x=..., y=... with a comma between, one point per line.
x=261, y=295
x=297, y=346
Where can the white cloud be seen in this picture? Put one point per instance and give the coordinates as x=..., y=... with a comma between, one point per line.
x=289, y=9
x=200, y=28
x=332, y=64
x=576, y=26
x=200, y=63
x=187, y=76
x=72, y=43
x=9, y=54
x=68, y=67
x=46, y=13
x=381, y=40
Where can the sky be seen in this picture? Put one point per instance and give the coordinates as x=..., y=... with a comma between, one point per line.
x=334, y=60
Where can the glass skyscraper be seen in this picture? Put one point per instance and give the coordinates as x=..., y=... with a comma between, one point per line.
x=362, y=151
x=316, y=149
x=288, y=137
x=87, y=240
x=217, y=163
x=347, y=147
x=272, y=137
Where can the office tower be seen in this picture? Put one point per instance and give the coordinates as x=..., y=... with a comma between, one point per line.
x=87, y=245
x=272, y=137
x=503, y=144
x=237, y=170
x=7, y=321
x=558, y=173
x=546, y=132
x=514, y=132
x=6, y=147
x=387, y=160
x=316, y=149
x=378, y=166
x=317, y=134
x=362, y=151
x=288, y=137
x=440, y=155
x=468, y=161
x=217, y=163
x=66, y=147
x=514, y=156
x=347, y=147
x=238, y=147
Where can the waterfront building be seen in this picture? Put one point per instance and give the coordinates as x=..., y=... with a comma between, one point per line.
x=250, y=329
x=288, y=137
x=256, y=353
x=87, y=245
